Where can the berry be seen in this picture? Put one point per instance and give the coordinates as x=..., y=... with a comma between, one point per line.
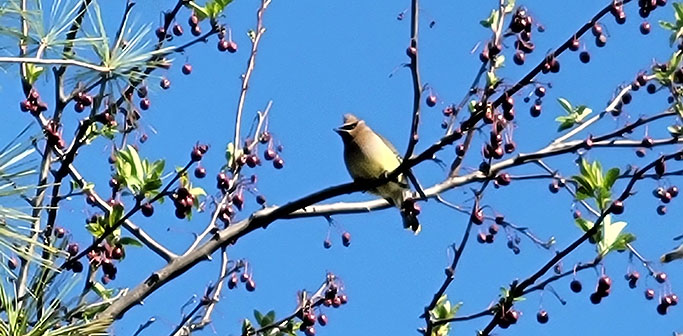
x=595, y=298
x=503, y=179
x=12, y=263
x=196, y=155
x=601, y=41
x=336, y=302
x=200, y=172
x=309, y=331
x=575, y=286
x=77, y=267
x=251, y=285
x=187, y=69
x=278, y=162
x=322, y=319
x=673, y=191
x=327, y=244
x=309, y=318
x=260, y=199
x=60, y=232
x=604, y=283
x=431, y=100
x=542, y=317
x=585, y=57
x=477, y=217
x=554, y=187
x=160, y=33
x=343, y=299
x=640, y=152
x=79, y=107
x=649, y=294
x=617, y=207
x=145, y=103
x=165, y=83
x=346, y=239
x=232, y=283
x=232, y=47
x=596, y=29
x=645, y=28
x=72, y=249
x=574, y=46
x=535, y=110
x=117, y=253
x=147, y=210
x=177, y=30
x=661, y=210
x=481, y=238
x=519, y=57
x=223, y=45
x=493, y=229
x=660, y=277
x=651, y=88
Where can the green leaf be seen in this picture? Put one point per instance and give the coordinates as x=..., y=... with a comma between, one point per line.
x=33, y=72
x=102, y=291
x=258, y=317
x=582, y=112
x=678, y=11
x=610, y=178
x=584, y=224
x=565, y=126
x=510, y=6
x=95, y=229
x=610, y=233
x=499, y=61
x=247, y=328
x=129, y=241
x=622, y=240
x=269, y=318
x=490, y=21
x=566, y=105
x=667, y=25
x=491, y=79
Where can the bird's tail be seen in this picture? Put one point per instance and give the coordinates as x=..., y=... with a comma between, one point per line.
x=409, y=210
x=410, y=221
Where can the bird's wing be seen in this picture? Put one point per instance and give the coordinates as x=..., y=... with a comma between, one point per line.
x=402, y=179
x=391, y=146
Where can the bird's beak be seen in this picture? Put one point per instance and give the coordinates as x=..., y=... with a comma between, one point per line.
x=338, y=130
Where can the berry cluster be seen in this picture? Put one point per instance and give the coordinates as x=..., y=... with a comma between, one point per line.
x=54, y=135
x=602, y=290
x=346, y=240
x=226, y=45
x=183, y=202
x=83, y=100
x=245, y=278
x=103, y=256
x=665, y=196
x=521, y=25
x=33, y=104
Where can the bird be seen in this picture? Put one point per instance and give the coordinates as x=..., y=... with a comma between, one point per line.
x=672, y=255
x=368, y=156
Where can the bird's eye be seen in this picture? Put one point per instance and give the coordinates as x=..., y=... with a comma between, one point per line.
x=349, y=126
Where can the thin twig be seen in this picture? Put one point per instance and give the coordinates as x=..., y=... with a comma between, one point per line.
x=247, y=75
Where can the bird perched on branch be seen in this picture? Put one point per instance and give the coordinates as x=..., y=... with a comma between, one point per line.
x=369, y=156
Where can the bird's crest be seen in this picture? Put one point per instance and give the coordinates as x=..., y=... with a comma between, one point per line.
x=349, y=118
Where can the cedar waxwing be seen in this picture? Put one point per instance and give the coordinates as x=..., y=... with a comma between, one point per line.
x=670, y=256
x=367, y=156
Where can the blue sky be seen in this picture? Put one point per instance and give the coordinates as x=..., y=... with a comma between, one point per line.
x=319, y=60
